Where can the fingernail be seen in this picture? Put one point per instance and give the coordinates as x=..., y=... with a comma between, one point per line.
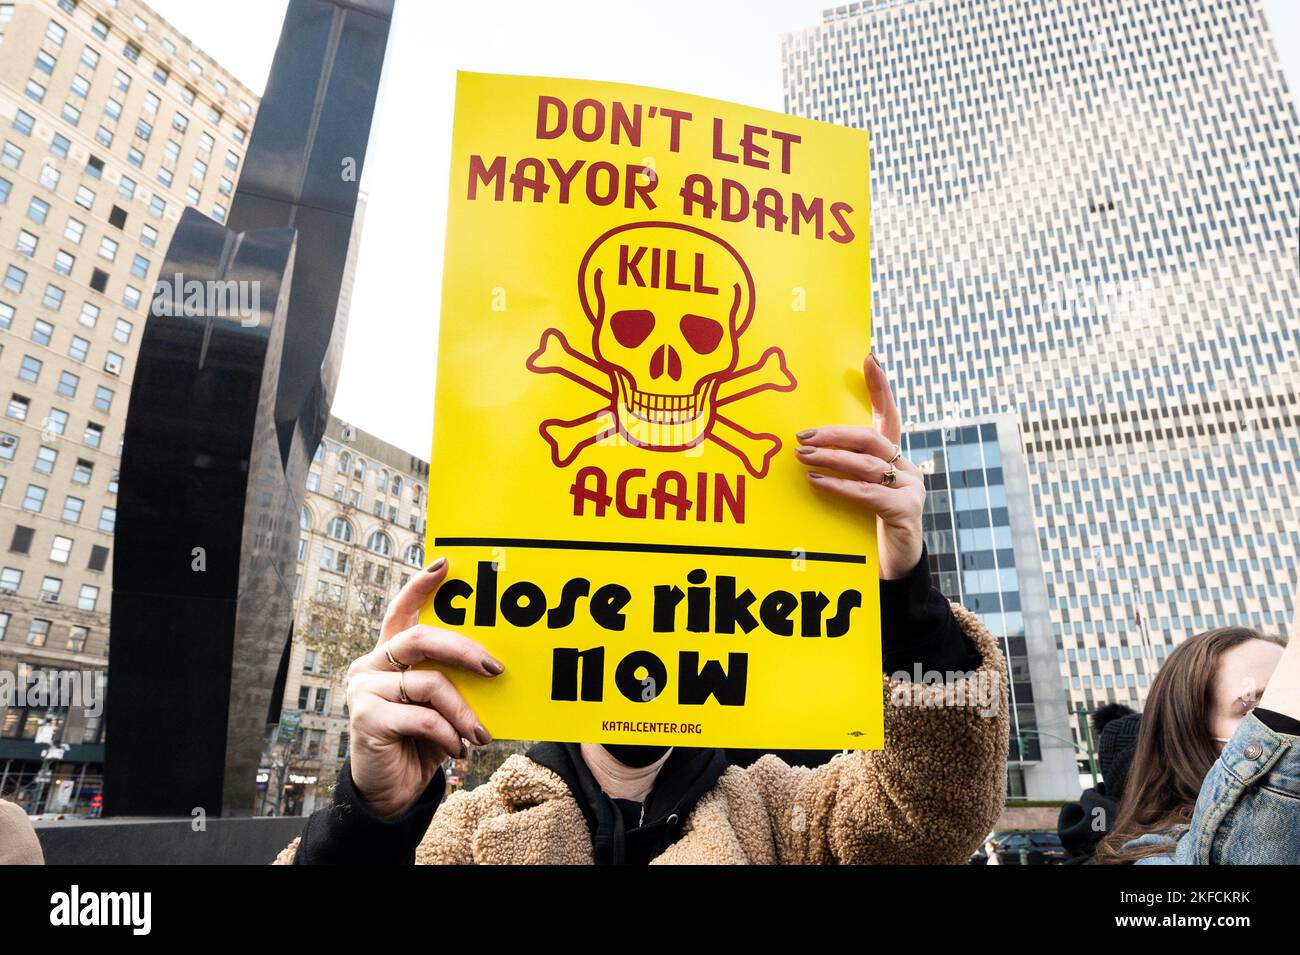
x=803, y=450
x=481, y=735
x=814, y=476
x=877, y=361
x=805, y=435
x=495, y=667
x=436, y=565
x=464, y=748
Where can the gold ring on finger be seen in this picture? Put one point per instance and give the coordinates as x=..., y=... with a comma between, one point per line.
x=401, y=687
x=400, y=667
x=889, y=477
x=898, y=453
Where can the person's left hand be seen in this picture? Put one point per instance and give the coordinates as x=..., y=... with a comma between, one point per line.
x=860, y=459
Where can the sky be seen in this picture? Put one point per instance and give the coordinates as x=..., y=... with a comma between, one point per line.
x=731, y=52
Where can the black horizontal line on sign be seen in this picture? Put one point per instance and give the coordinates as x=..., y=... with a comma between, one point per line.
x=648, y=548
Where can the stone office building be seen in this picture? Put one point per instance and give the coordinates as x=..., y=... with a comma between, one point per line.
x=111, y=122
x=362, y=537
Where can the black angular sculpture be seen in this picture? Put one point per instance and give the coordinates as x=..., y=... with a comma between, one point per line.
x=227, y=407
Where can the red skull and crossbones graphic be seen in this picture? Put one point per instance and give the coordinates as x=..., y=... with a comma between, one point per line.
x=667, y=303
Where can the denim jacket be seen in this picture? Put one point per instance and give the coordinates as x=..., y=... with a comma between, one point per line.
x=1248, y=812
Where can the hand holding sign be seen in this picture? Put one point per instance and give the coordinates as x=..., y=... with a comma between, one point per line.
x=395, y=747
x=867, y=457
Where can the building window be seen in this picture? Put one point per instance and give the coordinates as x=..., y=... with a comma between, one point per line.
x=61, y=549
x=72, y=509
x=12, y=156
x=34, y=499
x=38, y=633
x=107, y=519
x=77, y=639
x=38, y=209
x=21, y=542
x=15, y=279
x=339, y=529
x=88, y=597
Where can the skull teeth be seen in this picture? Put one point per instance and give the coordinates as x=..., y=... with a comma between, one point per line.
x=663, y=409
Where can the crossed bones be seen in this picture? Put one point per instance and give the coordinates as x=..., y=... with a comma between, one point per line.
x=567, y=438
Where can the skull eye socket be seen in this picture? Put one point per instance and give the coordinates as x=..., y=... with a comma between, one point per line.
x=632, y=326
x=702, y=334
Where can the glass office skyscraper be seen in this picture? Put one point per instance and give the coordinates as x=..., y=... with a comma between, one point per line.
x=979, y=534
x=1084, y=216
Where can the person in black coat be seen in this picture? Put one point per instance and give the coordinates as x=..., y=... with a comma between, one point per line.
x=1083, y=824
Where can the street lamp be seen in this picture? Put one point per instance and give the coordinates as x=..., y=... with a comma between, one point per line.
x=1087, y=735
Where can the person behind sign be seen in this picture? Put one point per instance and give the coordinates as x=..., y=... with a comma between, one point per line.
x=928, y=797
x=1216, y=775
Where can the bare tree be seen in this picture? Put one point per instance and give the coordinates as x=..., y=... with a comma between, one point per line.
x=339, y=634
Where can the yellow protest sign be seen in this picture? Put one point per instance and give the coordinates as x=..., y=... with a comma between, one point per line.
x=646, y=295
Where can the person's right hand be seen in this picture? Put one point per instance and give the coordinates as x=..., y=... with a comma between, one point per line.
x=396, y=747
x=1282, y=693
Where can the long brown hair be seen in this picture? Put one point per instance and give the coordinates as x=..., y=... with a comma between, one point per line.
x=1174, y=747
